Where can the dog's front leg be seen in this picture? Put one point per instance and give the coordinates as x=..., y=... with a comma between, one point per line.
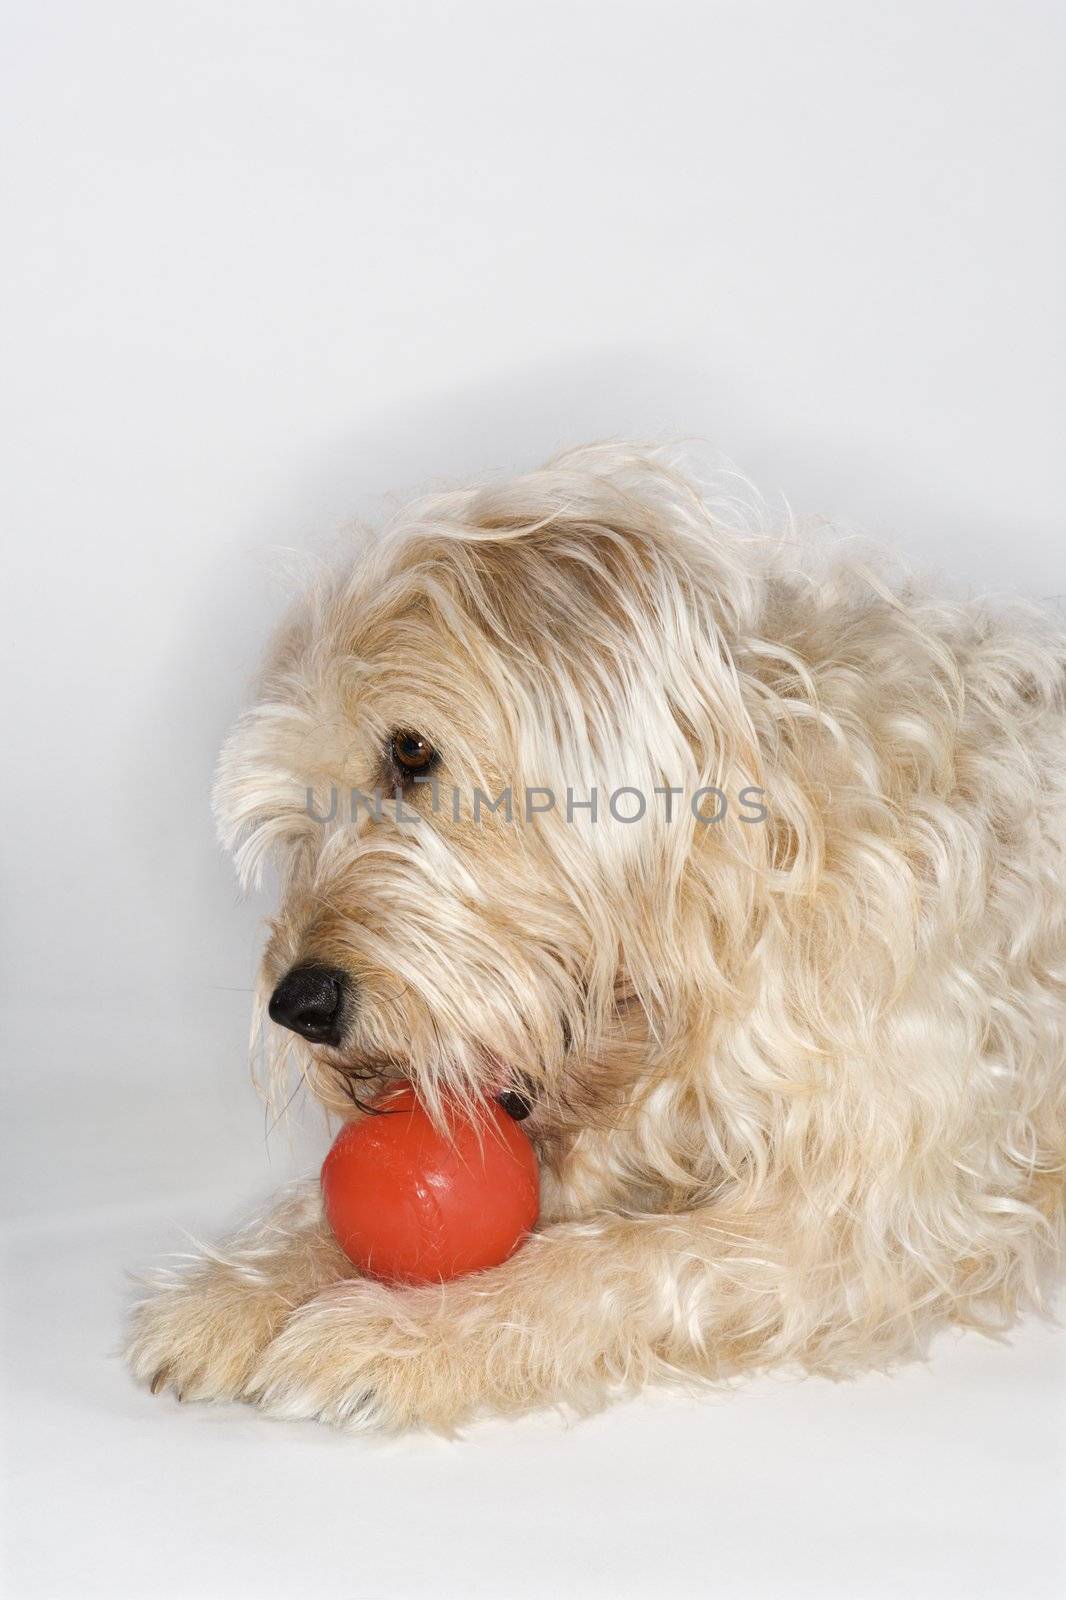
x=583, y=1309
x=202, y=1328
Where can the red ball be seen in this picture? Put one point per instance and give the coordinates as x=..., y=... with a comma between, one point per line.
x=411, y=1204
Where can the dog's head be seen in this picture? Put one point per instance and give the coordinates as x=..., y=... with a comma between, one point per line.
x=431, y=729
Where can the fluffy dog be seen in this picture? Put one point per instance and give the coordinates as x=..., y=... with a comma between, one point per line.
x=780, y=971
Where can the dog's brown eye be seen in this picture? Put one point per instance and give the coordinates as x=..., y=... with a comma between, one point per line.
x=411, y=753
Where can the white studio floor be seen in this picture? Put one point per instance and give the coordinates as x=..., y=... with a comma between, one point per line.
x=946, y=1480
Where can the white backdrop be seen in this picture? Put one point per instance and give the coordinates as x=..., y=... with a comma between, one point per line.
x=265, y=266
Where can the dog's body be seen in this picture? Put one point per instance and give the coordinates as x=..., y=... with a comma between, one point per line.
x=797, y=1076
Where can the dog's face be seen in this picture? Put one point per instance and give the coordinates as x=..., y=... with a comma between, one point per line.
x=437, y=917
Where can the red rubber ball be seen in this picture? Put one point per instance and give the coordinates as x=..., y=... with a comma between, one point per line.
x=409, y=1203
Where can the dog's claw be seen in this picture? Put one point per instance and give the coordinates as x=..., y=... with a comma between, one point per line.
x=159, y=1380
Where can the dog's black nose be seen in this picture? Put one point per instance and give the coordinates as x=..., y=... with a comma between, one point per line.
x=310, y=1001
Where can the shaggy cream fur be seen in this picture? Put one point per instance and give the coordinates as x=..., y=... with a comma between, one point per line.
x=799, y=1084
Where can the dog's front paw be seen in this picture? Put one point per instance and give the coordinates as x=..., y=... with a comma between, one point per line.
x=202, y=1331
x=355, y=1356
